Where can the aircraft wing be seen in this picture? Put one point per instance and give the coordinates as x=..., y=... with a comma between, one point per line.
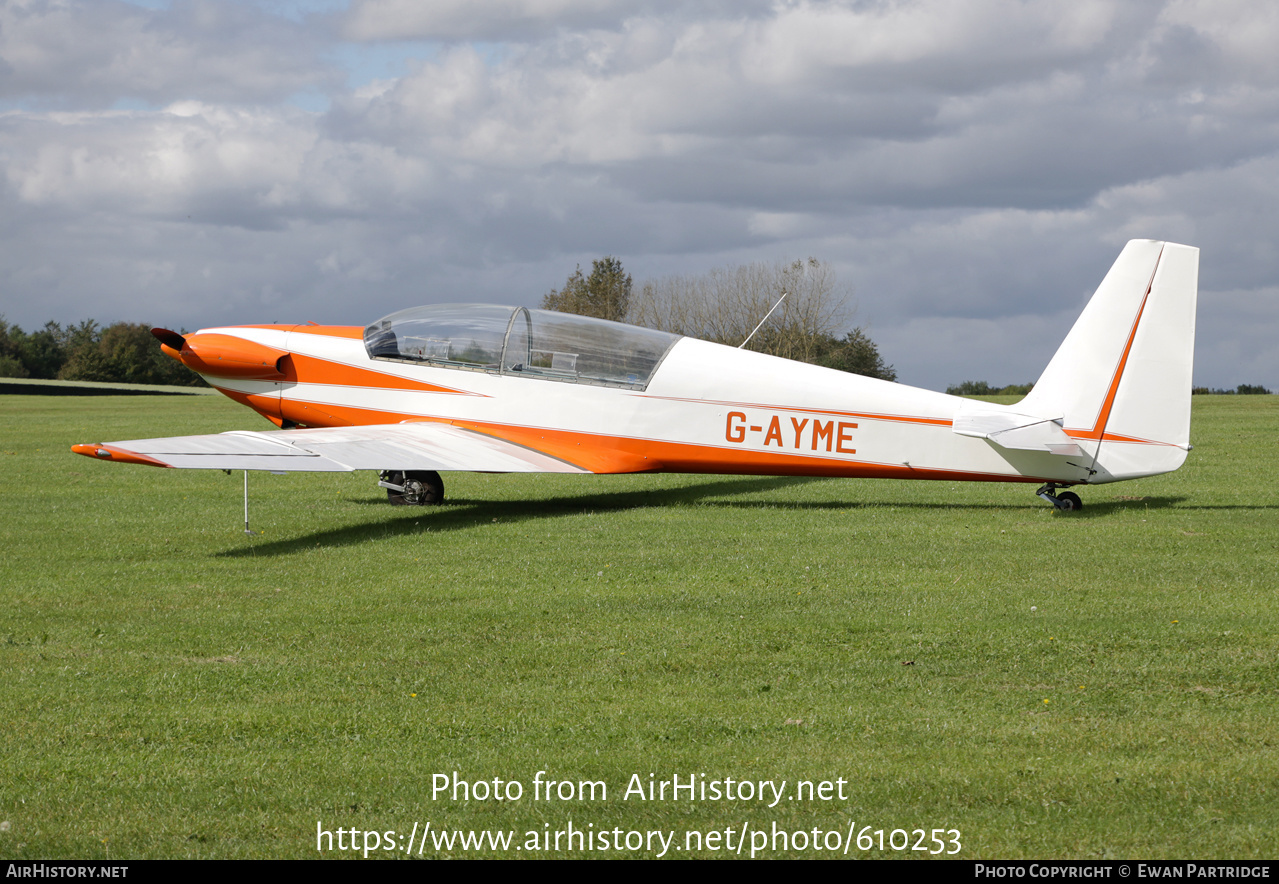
x=407, y=446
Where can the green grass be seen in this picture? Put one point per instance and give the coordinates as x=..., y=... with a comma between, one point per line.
x=1098, y=684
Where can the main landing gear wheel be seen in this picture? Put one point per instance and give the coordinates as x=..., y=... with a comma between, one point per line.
x=1067, y=501
x=413, y=488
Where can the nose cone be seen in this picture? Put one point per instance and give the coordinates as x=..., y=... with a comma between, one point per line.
x=223, y=356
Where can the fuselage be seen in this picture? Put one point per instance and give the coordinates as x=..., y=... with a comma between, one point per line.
x=706, y=408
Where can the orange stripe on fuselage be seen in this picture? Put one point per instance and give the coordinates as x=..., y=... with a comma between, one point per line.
x=619, y=454
x=326, y=415
x=311, y=414
x=600, y=453
x=267, y=405
x=330, y=331
x=314, y=370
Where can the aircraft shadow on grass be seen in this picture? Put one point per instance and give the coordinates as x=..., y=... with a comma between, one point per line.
x=461, y=514
x=1102, y=508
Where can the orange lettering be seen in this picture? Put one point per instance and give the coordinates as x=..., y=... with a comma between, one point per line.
x=823, y=431
x=735, y=433
x=799, y=428
x=844, y=437
x=774, y=432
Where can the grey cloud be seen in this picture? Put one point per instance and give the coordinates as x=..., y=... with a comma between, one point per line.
x=516, y=20
x=83, y=54
x=684, y=129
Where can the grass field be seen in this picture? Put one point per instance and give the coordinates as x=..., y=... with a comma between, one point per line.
x=1098, y=684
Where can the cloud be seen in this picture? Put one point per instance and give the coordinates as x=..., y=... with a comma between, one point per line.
x=820, y=106
x=82, y=54
x=974, y=166
x=515, y=20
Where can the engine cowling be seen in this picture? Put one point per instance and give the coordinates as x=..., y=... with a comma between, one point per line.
x=223, y=356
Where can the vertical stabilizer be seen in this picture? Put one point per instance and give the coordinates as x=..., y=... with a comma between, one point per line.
x=1121, y=380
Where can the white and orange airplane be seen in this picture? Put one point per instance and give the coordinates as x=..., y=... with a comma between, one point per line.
x=508, y=389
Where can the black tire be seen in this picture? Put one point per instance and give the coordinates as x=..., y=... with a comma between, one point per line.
x=420, y=488
x=1071, y=501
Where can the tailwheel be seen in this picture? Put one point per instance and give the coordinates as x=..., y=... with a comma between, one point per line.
x=413, y=488
x=1067, y=501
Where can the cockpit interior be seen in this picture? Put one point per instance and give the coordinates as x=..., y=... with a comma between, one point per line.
x=522, y=342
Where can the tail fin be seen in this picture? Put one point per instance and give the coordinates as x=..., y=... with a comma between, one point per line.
x=1121, y=380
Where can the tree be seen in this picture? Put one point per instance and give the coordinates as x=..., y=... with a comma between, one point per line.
x=605, y=294
x=12, y=367
x=856, y=354
x=10, y=361
x=727, y=304
x=37, y=355
x=123, y=352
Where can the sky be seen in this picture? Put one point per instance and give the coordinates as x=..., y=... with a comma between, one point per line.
x=969, y=170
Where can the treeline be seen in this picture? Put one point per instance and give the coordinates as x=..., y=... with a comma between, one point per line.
x=981, y=388
x=1241, y=390
x=732, y=305
x=122, y=353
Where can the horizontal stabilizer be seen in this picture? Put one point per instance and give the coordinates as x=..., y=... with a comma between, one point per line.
x=409, y=446
x=1023, y=432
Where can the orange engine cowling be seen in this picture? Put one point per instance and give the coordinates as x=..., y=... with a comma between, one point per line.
x=226, y=356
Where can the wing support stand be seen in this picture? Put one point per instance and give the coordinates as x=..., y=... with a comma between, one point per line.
x=246, y=503
x=1067, y=501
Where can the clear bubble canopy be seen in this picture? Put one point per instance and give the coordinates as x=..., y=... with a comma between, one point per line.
x=521, y=342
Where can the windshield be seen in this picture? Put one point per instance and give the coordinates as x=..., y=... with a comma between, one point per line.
x=520, y=341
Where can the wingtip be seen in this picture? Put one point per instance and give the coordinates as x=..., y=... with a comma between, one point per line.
x=118, y=455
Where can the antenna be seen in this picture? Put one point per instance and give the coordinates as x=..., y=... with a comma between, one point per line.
x=764, y=320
